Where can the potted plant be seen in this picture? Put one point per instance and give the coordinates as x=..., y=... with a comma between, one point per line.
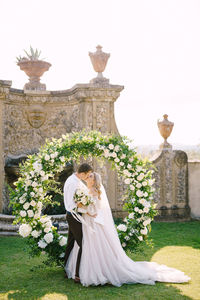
x=34, y=67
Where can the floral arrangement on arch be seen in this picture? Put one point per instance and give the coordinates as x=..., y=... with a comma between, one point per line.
x=36, y=180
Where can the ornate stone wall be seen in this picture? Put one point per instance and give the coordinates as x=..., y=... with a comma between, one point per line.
x=171, y=185
x=27, y=118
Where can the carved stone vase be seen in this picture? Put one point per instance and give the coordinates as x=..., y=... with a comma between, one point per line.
x=99, y=61
x=165, y=128
x=34, y=69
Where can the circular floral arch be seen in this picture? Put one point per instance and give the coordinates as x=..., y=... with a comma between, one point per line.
x=37, y=179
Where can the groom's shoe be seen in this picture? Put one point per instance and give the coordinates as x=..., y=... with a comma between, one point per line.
x=77, y=279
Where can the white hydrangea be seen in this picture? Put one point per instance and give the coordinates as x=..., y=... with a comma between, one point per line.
x=48, y=237
x=62, y=241
x=25, y=230
x=23, y=213
x=42, y=244
x=122, y=227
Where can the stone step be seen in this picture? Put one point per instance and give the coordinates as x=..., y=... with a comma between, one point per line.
x=9, y=229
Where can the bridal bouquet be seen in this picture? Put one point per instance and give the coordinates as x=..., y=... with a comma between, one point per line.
x=81, y=196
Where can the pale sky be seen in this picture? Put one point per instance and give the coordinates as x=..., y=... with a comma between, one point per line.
x=154, y=47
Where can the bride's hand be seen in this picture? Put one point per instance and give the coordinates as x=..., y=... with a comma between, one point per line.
x=93, y=216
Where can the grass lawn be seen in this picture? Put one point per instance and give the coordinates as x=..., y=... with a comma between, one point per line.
x=175, y=244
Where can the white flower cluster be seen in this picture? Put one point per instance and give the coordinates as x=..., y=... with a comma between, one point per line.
x=25, y=230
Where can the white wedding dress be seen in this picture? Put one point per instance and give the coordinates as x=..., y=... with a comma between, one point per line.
x=103, y=259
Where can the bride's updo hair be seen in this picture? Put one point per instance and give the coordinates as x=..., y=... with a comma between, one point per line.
x=97, y=184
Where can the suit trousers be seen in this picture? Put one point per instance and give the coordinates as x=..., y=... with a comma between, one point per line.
x=74, y=234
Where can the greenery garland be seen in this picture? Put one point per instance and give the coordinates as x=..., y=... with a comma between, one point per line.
x=37, y=179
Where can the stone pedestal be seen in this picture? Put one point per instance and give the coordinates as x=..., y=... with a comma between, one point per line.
x=171, y=185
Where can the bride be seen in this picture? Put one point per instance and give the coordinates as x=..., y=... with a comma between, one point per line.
x=103, y=259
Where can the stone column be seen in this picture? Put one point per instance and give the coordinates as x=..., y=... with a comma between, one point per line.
x=4, y=91
x=171, y=179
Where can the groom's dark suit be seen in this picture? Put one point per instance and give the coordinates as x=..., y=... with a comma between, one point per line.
x=75, y=227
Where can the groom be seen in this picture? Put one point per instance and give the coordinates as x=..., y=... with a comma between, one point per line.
x=75, y=228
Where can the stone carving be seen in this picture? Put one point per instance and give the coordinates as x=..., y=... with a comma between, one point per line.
x=102, y=117
x=180, y=158
x=171, y=184
x=36, y=116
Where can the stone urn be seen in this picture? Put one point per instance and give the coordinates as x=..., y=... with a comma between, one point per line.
x=34, y=69
x=165, y=128
x=99, y=61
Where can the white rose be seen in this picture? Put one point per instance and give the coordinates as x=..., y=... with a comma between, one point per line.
x=44, y=219
x=62, y=158
x=138, y=185
x=144, y=231
x=22, y=213
x=123, y=156
x=145, y=223
x=47, y=229
x=122, y=227
x=126, y=172
x=40, y=190
x=132, y=187
x=140, y=238
x=117, y=160
x=111, y=146
x=123, y=245
x=63, y=241
x=136, y=209
x=25, y=230
x=140, y=211
x=28, y=182
x=32, y=194
x=42, y=173
x=121, y=163
x=131, y=159
x=47, y=157
x=26, y=205
x=144, y=183
x=131, y=216
x=52, y=155
x=139, y=193
x=127, y=238
x=30, y=213
x=22, y=200
x=114, y=154
x=129, y=166
x=33, y=203
x=146, y=210
x=34, y=184
x=35, y=233
x=127, y=181
x=117, y=148
x=48, y=237
x=139, y=168
x=151, y=181
x=62, y=255
x=142, y=201
x=42, y=244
